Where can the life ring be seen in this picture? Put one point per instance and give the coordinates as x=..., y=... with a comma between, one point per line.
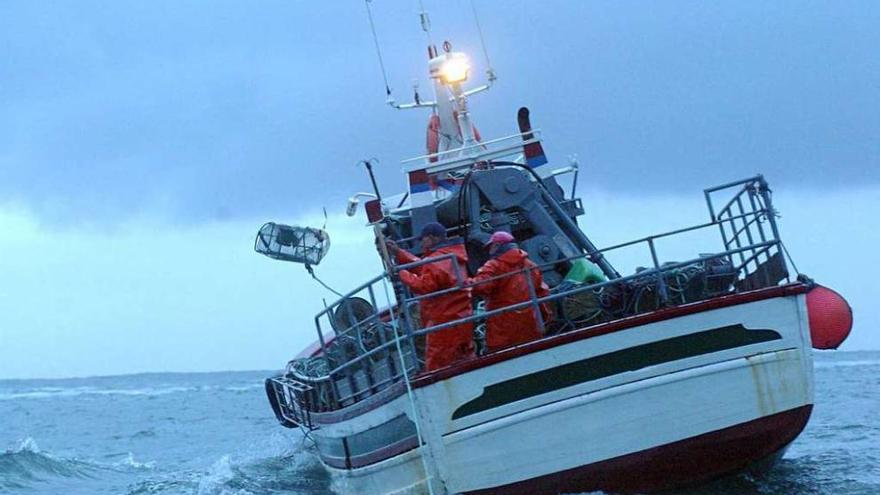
x=433, y=138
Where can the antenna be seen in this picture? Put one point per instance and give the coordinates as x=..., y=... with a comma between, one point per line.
x=426, y=23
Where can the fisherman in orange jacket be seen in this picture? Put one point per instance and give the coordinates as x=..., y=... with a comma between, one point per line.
x=516, y=326
x=450, y=344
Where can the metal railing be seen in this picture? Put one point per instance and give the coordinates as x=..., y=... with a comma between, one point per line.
x=361, y=358
x=466, y=156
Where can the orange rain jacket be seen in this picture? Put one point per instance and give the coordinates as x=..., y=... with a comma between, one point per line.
x=511, y=327
x=450, y=344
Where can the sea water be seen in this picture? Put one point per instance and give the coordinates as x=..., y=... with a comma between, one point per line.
x=214, y=433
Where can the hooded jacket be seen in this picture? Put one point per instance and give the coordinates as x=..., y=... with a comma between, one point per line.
x=517, y=326
x=454, y=343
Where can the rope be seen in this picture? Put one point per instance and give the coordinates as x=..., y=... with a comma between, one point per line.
x=312, y=273
x=378, y=51
x=790, y=259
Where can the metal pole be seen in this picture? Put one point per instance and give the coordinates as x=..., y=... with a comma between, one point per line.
x=709, y=205
x=757, y=215
x=369, y=166
x=464, y=120
x=595, y=255
x=661, y=283
x=389, y=358
x=534, y=297
x=768, y=204
x=429, y=463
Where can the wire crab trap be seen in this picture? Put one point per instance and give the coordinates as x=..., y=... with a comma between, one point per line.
x=306, y=245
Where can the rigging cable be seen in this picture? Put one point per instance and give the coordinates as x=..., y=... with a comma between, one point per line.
x=490, y=72
x=378, y=50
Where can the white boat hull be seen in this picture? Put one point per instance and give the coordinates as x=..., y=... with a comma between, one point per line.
x=569, y=415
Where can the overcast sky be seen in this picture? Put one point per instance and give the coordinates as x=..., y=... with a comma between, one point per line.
x=143, y=143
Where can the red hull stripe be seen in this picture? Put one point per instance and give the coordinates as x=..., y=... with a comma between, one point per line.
x=686, y=462
x=606, y=328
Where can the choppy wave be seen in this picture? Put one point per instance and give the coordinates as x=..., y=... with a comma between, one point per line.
x=26, y=466
x=26, y=463
x=215, y=435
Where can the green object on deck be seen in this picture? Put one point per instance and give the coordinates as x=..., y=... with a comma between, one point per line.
x=584, y=272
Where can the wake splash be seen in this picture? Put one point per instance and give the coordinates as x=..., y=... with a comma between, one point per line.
x=221, y=480
x=846, y=364
x=296, y=473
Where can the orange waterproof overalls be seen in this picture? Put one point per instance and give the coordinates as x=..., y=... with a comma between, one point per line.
x=517, y=326
x=454, y=343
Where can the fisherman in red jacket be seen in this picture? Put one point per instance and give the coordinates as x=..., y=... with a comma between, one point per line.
x=450, y=344
x=515, y=326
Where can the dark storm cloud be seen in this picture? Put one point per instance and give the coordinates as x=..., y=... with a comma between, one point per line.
x=227, y=109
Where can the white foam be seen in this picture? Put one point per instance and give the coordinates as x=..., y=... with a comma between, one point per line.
x=26, y=445
x=243, y=388
x=54, y=392
x=214, y=481
x=846, y=364
x=131, y=462
x=60, y=392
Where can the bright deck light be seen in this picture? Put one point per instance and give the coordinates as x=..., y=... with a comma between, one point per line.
x=455, y=70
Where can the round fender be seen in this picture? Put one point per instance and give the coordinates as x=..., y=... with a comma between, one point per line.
x=830, y=318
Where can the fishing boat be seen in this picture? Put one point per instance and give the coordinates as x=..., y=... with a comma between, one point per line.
x=671, y=375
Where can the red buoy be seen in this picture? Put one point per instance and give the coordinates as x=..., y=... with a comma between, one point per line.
x=830, y=318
